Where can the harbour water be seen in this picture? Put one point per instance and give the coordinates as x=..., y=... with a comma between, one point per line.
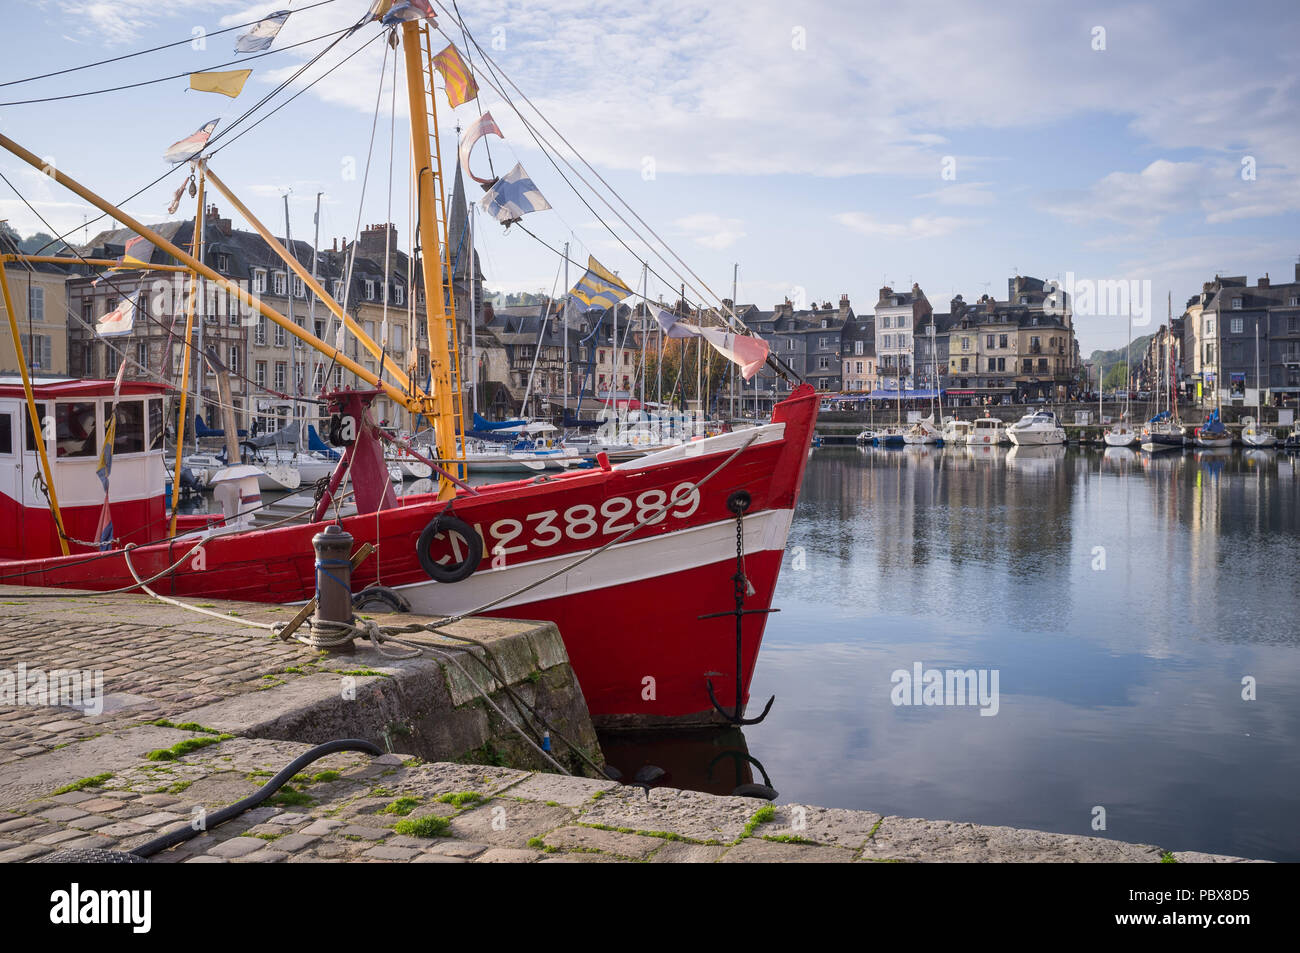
x=1121, y=599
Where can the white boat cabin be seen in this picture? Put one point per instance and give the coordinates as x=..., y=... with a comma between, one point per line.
x=74, y=416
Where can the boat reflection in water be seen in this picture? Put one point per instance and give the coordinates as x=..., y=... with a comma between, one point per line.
x=715, y=762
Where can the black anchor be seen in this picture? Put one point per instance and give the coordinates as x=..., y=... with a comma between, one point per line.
x=738, y=502
x=764, y=790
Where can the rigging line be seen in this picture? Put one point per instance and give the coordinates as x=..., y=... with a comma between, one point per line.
x=63, y=237
x=735, y=321
x=164, y=79
x=144, y=311
x=261, y=102
x=547, y=152
x=365, y=179
x=152, y=49
x=477, y=101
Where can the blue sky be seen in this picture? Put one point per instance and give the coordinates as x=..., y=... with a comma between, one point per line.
x=809, y=142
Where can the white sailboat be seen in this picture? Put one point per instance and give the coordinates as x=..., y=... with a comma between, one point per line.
x=1122, y=433
x=1252, y=435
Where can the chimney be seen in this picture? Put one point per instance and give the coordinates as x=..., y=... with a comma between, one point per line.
x=1297, y=271
x=376, y=239
x=1263, y=282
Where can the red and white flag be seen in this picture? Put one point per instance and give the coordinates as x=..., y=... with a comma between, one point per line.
x=484, y=125
x=119, y=321
x=191, y=145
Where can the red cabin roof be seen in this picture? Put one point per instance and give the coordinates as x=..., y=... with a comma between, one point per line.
x=50, y=388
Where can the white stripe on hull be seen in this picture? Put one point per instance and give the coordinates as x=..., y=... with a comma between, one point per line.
x=625, y=563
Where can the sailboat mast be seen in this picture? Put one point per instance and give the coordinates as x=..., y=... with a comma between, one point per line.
x=439, y=407
x=473, y=317
x=293, y=345
x=564, y=412
x=311, y=302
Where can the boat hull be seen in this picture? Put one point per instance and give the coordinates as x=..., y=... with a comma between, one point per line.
x=629, y=614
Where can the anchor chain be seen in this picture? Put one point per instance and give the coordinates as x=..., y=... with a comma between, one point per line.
x=739, y=502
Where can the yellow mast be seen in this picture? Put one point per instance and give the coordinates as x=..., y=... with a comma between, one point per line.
x=196, y=243
x=428, y=186
x=38, y=432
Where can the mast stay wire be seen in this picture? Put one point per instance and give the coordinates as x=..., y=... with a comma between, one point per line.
x=163, y=79
x=235, y=122
x=153, y=49
x=495, y=70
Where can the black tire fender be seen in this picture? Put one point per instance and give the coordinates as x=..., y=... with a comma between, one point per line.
x=451, y=572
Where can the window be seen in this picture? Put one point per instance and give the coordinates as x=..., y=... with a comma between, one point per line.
x=39, y=355
x=6, y=433
x=142, y=353
x=600, y=356
x=259, y=374
x=965, y=364
x=36, y=303
x=370, y=290
x=887, y=341
x=424, y=366
x=399, y=294
x=1236, y=304
x=821, y=343
x=789, y=344
x=128, y=432
x=398, y=334
x=299, y=289
x=338, y=289
x=1295, y=301
x=279, y=335
x=823, y=363
x=259, y=281
x=965, y=344
x=279, y=282
x=857, y=347
x=627, y=358
x=259, y=330
x=989, y=341
x=223, y=264
x=75, y=431
x=859, y=367
x=1235, y=325
x=1002, y=340
x=235, y=366
x=280, y=369
x=1024, y=299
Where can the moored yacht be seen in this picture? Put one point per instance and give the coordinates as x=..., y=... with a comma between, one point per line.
x=1041, y=428
x=1162, y=432
x=956, y=432
x=987, y=432
x=1252, y=435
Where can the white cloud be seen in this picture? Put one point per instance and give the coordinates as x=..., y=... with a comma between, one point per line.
x=921, y=226
x=711, y=231
x=963, y=193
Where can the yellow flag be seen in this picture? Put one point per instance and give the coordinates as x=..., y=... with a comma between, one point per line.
x=461, y=87
x=228, y=83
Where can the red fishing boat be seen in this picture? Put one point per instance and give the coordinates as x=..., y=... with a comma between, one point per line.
x=645, y=566
x=630, y=616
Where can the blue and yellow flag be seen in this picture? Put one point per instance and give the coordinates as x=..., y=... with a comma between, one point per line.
x=599, y=287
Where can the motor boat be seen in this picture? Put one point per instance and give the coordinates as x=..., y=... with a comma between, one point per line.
x=956, y=432
x=987, y=432
x=1039, y=429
